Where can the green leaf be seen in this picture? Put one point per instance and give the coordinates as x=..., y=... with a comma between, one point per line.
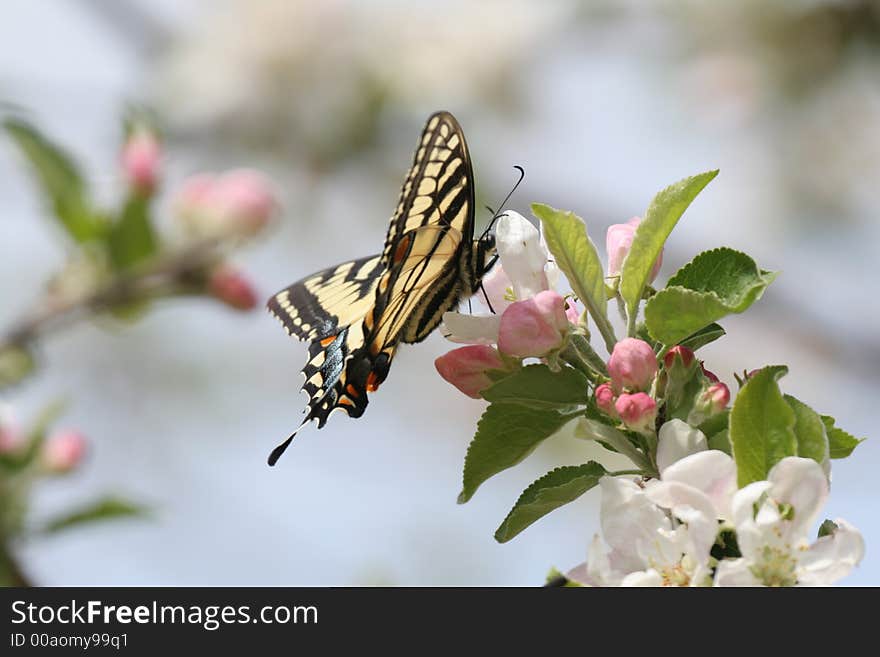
x=840, y=443
x=576, y=256
x=702, y=337
x=812, y=442
x=714, y=284
x=664, y=212
x=59, y=178
x=556, y=578
x=538, y=385
x=107, y=508
x=827, y=528
x=506, y=434
x=720, y=441
x=131, y=239
x=557, y=487
x=761, y=426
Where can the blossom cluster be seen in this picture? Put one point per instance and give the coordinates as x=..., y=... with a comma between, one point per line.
x=713, y=498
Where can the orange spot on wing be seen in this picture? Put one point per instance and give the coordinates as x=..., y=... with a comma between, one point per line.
x=329, y=339
x=345, y=401
x=352, y=391
x=372, y=382
x=402, y=248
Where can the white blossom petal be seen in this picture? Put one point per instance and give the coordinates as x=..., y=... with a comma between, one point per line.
x=471, y=329
x=735, y=572
x=801, y=483
x=643, y=578
x=692, y=507
x=522, y=255
x=498, y=287
x=713, y=472
x=677, y=439
x=831, y=557
x=629, y=522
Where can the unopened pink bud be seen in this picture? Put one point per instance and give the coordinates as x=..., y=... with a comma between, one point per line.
x=534, y=327
x=709, y=375
x=618, y=241
x=232, y=288
x=466, y=367
x=63, y=451
x=638, y=411
x=141, y=160
x=715, y=398
x=605, y=399
x=678, y=354
x=633, y=365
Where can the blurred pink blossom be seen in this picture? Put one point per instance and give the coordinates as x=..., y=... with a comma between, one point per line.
x=63, y=451
x=141, y=160
x=233, y=288
x=240, y=202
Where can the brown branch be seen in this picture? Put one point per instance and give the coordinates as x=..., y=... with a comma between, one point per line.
x=176, y=272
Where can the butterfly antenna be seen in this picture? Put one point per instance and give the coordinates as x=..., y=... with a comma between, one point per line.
x=495, y=217
x=486, y=297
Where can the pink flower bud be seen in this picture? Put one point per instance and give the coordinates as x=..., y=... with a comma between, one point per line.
x=232, y=288
x=618, y=241
x=63, y=451
x=141, y=160
x=466, y=367
x=533, y=327
x=638, y=411
x=605, y=399
x=633, y=365
x=709, y=375
x=714, y=399
x=678, y=354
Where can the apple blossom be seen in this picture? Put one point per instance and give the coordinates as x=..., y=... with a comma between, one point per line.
x=466, y=367
x=618, y=241
x=648, y=545
x=534, y=327
x=772, y=520
x=632, y=366
x=678, y=356
x=524, y=271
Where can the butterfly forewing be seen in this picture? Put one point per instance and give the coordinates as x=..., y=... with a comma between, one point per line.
x=439, y=188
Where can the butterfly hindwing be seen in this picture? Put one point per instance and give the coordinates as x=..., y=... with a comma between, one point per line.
x=314, y=307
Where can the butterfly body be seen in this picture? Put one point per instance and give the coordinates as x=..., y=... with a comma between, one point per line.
x=357, y=313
